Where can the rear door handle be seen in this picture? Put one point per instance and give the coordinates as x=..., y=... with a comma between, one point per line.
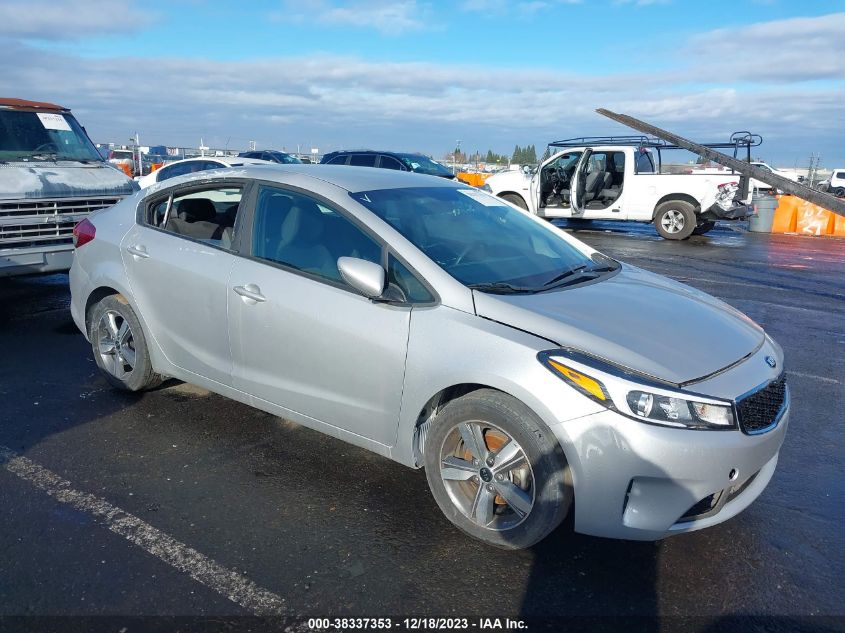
x=138, y=251
x=250, y=292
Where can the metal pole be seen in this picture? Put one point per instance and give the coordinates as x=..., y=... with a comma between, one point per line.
x=786, y=185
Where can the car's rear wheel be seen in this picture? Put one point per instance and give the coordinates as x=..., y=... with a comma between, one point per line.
x=703, y=227
x=119, y=345
x=675, y=219
x=496, y=471
x=515, y=199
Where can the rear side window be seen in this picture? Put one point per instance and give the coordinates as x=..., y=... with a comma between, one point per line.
x=840, y=175
x=207, y=215
x=644, y=163
x=305, y=234
x=363, y=160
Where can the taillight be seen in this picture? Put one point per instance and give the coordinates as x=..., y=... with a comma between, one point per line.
x=83, y=233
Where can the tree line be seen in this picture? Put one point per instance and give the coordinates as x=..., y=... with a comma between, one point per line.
x=520, y=156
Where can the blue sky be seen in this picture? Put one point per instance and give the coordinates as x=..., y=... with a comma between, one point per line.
x=416, y=75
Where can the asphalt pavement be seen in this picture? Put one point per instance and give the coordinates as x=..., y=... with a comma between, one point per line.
x=93, y=479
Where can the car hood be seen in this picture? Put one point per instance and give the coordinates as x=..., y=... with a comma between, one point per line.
x=636, y=319
x=61, y=180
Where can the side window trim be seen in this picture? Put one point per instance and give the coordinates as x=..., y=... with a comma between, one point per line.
x=244, y=235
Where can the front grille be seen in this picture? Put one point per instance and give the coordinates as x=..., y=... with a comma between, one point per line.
x=760, y=410
x=27, y=223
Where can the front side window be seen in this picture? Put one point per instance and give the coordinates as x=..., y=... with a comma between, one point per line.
x=338, y=160
x=298, y=231
x=475, y=237
x=388, y=162
x=207, y=215
x=363, y=160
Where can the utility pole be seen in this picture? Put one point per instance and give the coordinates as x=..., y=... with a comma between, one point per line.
x=455, y=157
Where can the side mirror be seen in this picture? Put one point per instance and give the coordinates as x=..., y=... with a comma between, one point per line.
x=366, y=277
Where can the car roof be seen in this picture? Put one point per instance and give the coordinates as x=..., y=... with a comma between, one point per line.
x=229, y=160
x=24, y=104
x=352, y=179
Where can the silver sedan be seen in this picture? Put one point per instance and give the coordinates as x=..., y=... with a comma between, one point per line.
x=443, y=328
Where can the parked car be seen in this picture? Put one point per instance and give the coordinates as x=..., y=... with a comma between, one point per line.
x=759, y=184
x=397, y=161
x=444, y=328
x=272, y=156
x=125, y=160
x=836, y=182
x=193, y=165
x=621, y=181
x=51, y=177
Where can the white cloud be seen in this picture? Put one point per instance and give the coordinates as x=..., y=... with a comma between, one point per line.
x=69, y=20
x=794, y=49
x=334, y=101
x=389, y=17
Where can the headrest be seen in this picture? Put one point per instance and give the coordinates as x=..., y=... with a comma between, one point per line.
x=197, y=210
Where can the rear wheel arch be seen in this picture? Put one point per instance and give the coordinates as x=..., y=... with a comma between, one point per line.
x=683, y=197
x=95, y=297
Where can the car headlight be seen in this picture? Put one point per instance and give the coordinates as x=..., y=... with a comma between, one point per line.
x=486, y=187
x=638, y=397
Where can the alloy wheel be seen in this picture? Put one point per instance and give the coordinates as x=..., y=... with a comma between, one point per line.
x=116, y=344
x=487, y=475
x=673, y=221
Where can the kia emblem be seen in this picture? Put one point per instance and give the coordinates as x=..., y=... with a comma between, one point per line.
x=771, y=362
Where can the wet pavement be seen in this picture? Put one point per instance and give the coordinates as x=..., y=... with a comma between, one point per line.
x=335, y=530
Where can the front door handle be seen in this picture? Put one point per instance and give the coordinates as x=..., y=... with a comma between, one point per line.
x=138, y=251
x=250, y=293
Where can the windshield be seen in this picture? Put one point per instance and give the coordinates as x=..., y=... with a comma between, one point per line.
x=36, y=136
x=285, y=159
x=479, y=239
x=424, y=165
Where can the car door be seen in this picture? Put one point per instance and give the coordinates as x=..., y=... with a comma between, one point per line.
x=302, y=339
x=178, y=257
x=576, y=194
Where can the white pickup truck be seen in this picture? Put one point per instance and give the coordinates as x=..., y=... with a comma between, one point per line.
x=622, y=182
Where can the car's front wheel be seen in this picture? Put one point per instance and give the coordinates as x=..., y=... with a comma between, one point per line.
x=496, y=471
x=119, y=345
x=516, y=199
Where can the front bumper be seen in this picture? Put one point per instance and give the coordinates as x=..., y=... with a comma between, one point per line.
x=645, y=482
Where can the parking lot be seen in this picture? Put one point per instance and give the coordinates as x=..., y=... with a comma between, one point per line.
x=237, y=512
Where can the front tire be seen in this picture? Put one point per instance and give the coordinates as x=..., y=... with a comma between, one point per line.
x=496, y=471
x=675, y=219
x=119, y=345
x=516, y=199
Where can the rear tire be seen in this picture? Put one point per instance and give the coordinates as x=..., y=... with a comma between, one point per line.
x=119, y=345
x=675, y=219
x=496, y=471
x=516, y=199
x=704, y=227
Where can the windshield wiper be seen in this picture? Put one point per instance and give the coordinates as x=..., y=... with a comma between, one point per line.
x=502, y=288
x=575, y=270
